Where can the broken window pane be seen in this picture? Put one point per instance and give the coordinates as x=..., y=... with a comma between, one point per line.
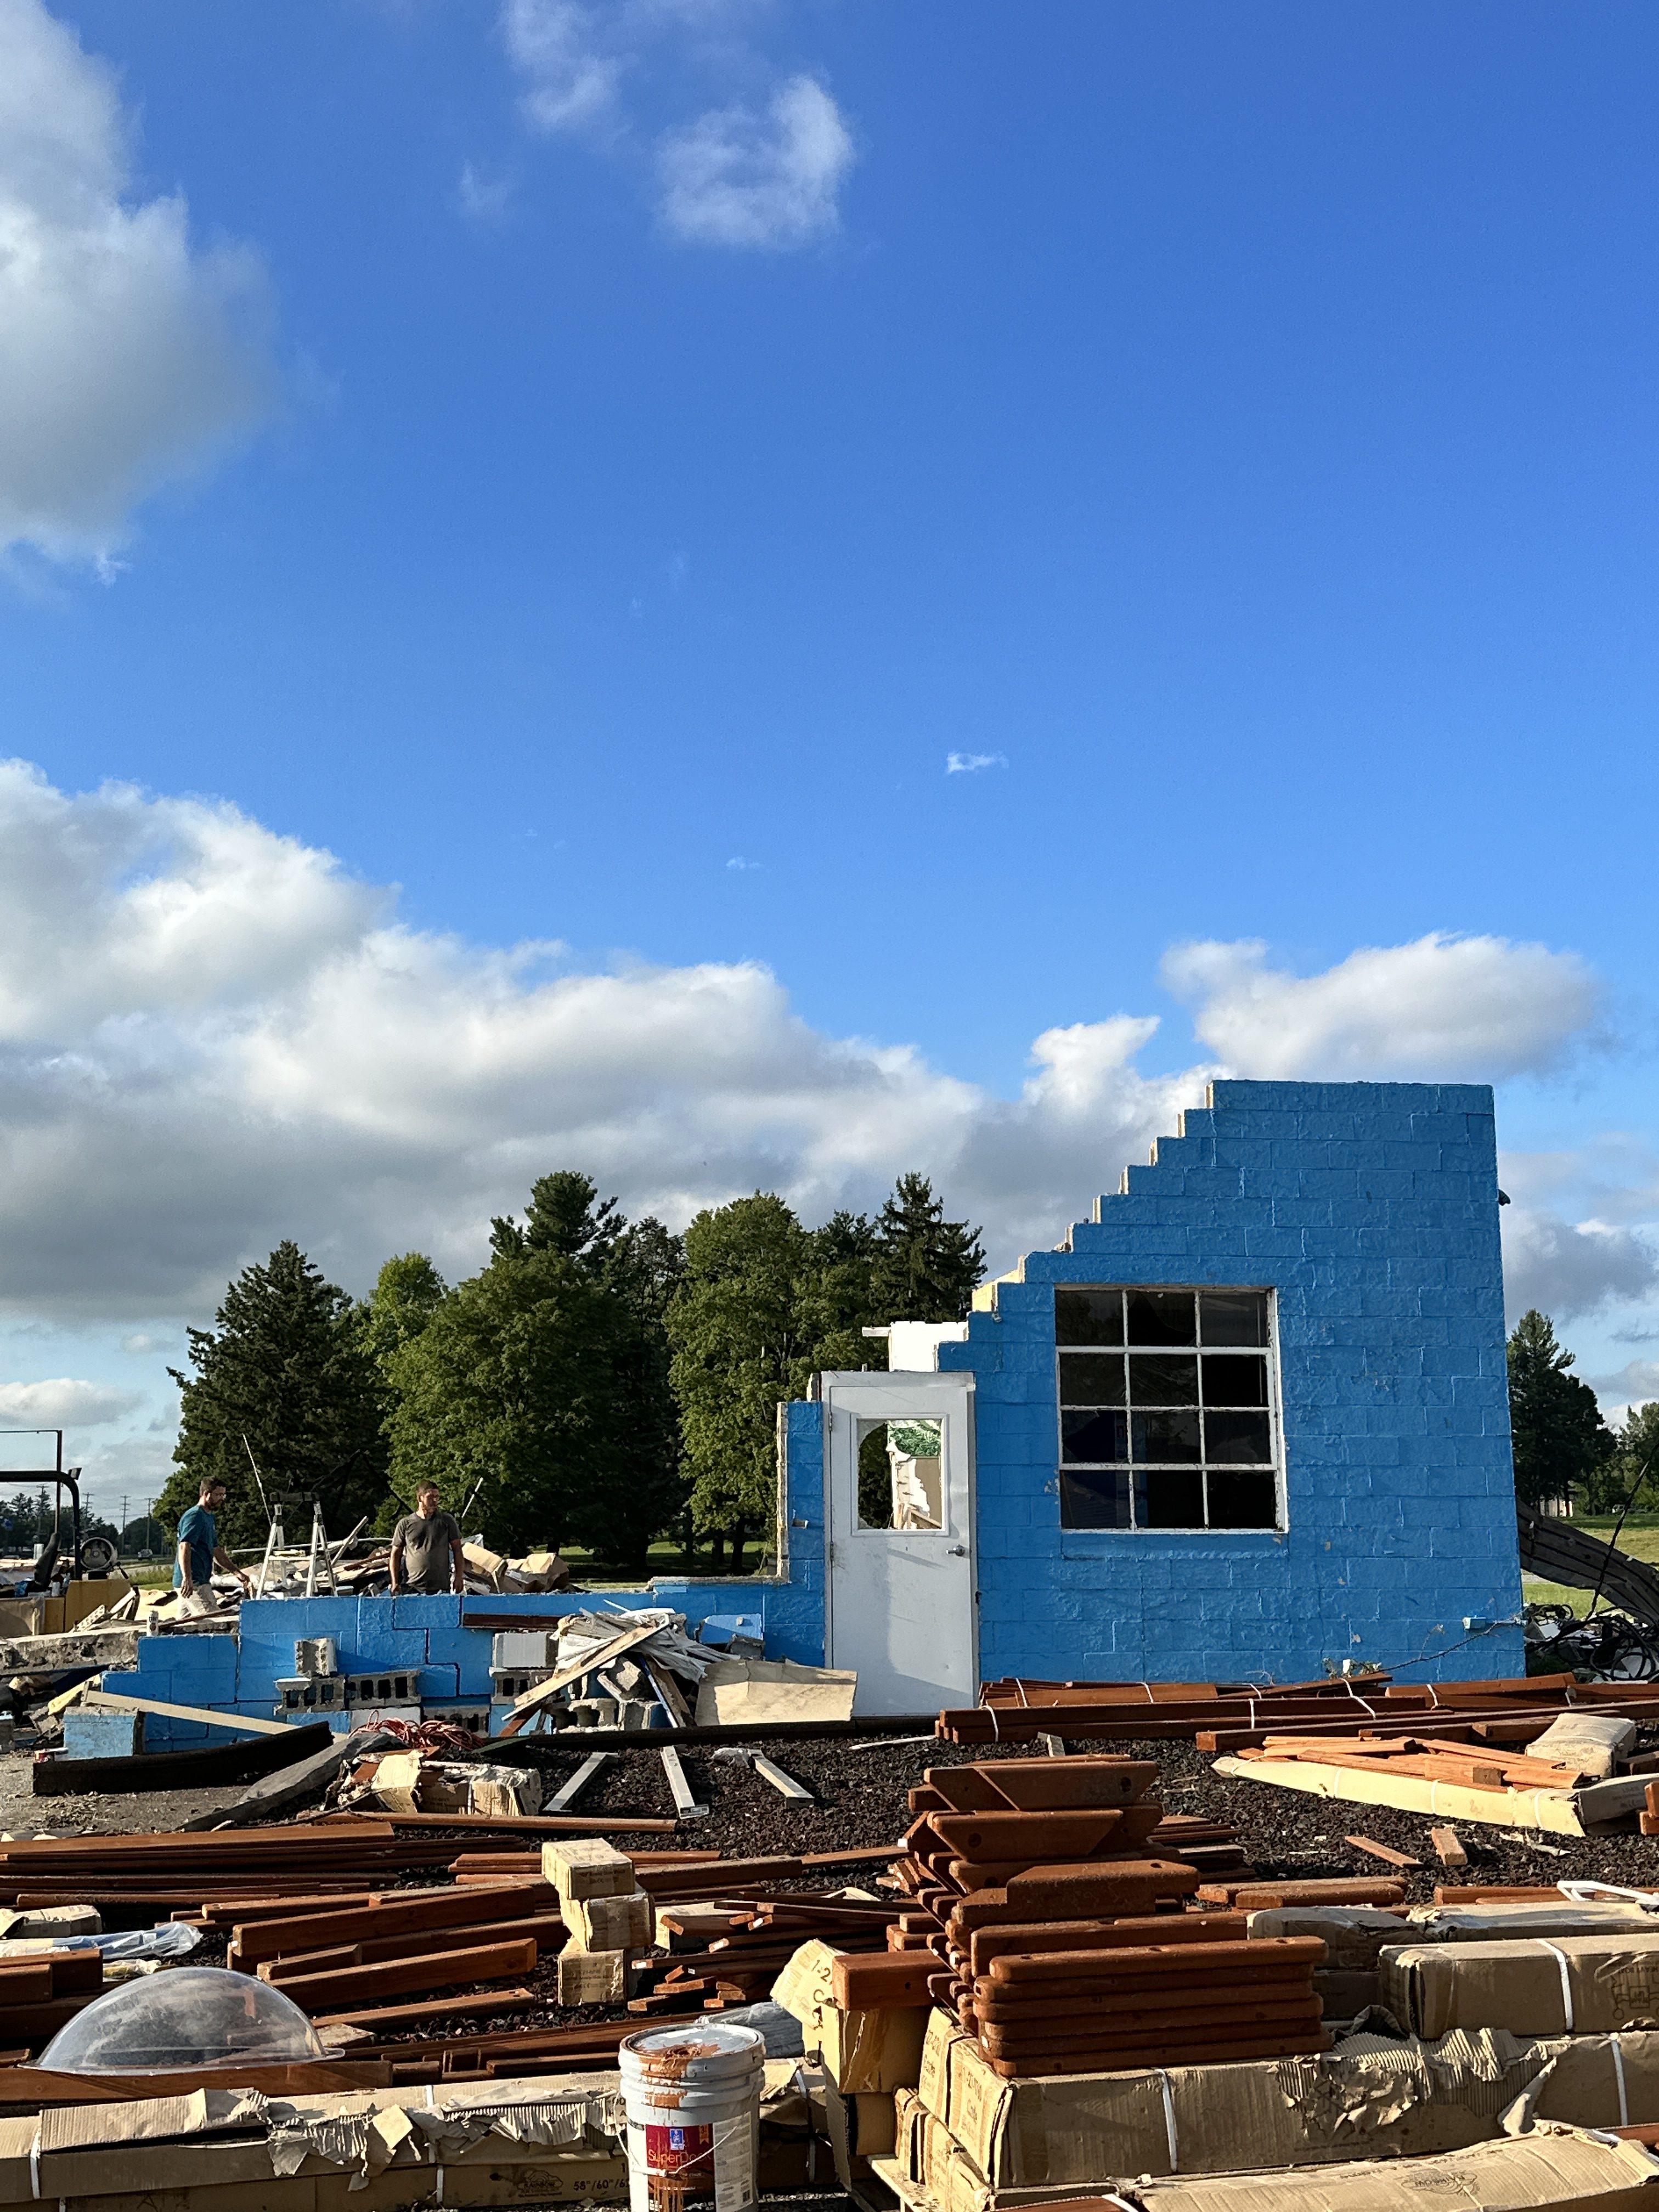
x=1234, y=1379
x=901, y=1479
x=1234, y=1317
x=1091, y=1379
x=1096, y=1499
x=1089, y=1316
x=1242, y=1501
x=1104, y=1437
x=1170, y=1500
x=1162, y=1437
x=1160, y=1317
x=1238, y=1439
x=1140, y=1407
x=1163, y=1379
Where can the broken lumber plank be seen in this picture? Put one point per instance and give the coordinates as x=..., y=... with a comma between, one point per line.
x=532, y=1824
x=785, y=1784
x=1448, y=1847
x=1558, y=1811
x=1383, y=1851
x=418, y=2015
x=540, y=1694
x=572, y=1788
x=448, y=1970
x=669, y=1693
x=685, y=1804
x=114, y=1701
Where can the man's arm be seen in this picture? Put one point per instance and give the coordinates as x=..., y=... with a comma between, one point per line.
x=185, y=1582
x=458, y=1566
x=397, y=1555
x=223, y=1558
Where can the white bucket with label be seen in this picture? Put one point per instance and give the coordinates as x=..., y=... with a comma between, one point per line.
x=693, y=2096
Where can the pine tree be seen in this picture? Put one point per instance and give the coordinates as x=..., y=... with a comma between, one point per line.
x=925, y=1268
x=286, y=1378
x=1560, y=1439
x=543, y=1380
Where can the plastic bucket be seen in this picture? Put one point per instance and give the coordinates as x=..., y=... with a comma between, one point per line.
x=692, y=2094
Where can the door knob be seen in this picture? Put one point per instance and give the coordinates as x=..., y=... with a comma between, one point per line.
x=958, y=1551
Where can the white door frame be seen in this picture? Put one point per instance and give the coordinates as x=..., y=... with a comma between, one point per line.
x=885, y=1394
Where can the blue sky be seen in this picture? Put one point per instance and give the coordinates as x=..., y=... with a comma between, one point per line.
x=593, y=468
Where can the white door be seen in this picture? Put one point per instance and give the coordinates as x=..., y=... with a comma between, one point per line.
x=899, y=1513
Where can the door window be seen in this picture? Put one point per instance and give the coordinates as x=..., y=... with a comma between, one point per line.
x=901, y=1482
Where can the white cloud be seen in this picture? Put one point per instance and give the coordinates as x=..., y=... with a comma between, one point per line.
x=559, y=48
x=128, y=356
x=1442, y=1009
x=485, y=199
x=970, y=764
x=1634, y=1384
x=743, y=866
x=212, y=1038
x=738, y=178
x=138, y=1344
x=63, y=1403
x=1568, y=1267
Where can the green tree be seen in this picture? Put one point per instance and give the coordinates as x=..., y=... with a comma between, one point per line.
x=741, y=1341
x=1635, y=1461
x=542, y=1382
x=1561, y=1438
x=924, y=1267
x=407, y=1293
x=286, y=1377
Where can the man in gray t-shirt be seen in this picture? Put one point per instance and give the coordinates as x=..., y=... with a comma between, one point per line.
x=426, y=1547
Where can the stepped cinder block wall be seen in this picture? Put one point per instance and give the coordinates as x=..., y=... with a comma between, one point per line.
x=1372, y=1210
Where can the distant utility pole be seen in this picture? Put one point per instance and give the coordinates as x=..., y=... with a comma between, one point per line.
x=120, y=1533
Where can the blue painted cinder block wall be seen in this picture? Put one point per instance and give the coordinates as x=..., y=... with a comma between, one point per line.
x=1372, y=1210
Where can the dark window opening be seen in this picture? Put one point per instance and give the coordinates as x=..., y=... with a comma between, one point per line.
x=1165, y=1409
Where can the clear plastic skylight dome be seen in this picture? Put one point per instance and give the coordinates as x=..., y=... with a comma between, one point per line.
x=187, y=2017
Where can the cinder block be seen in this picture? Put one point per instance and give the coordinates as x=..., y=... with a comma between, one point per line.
x=422, y=1609
x=438, y=1682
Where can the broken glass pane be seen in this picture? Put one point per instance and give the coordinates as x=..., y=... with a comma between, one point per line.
x=1091, y=1378
x=1169, y=1501
x=1234, y=1379
x=1089, y=1316
x=1100, y=1437
x=1242, y=1501
x=1098, y=1498
x=901, y=1483
x=1163, y=1378
x=1161, y=1317
x=1238, y=1439
x=1234, y=1317
x=1162, y=1438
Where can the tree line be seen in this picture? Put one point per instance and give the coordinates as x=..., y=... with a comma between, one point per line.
x=1564, y=1449
x=599, y=1383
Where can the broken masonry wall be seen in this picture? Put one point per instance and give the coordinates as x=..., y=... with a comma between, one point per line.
x=1370, y=1210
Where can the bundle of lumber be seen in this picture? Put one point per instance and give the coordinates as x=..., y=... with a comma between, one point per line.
x=728, y=1953
x=1226, y=1716
x=1429, y=1759
x=41, y=1991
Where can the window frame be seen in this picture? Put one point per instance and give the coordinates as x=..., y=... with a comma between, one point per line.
x=1202, y=1467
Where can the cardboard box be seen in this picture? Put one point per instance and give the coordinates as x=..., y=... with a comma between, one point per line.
x=861, y=2127
x=608, y=1923
x=1562, y=2169
x=1577, y=1984
x=583, y=1866
x=804, y=1990
x=864, y=2052
x=594, y=1977
x=1370, y=2096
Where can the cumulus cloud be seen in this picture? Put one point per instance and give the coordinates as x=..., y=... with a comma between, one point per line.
x=1570, y=1267
x=212, y=1038
x=763, y=170
x=972, y=763
x=128, y=353
x=737, y=176
x=63, y=1403
x=560, y=48
x=1442, y=1009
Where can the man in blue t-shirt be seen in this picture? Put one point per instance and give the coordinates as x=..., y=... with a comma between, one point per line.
x=200, y=1552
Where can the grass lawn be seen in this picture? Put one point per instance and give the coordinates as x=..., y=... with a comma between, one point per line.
x=1639, y=1537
